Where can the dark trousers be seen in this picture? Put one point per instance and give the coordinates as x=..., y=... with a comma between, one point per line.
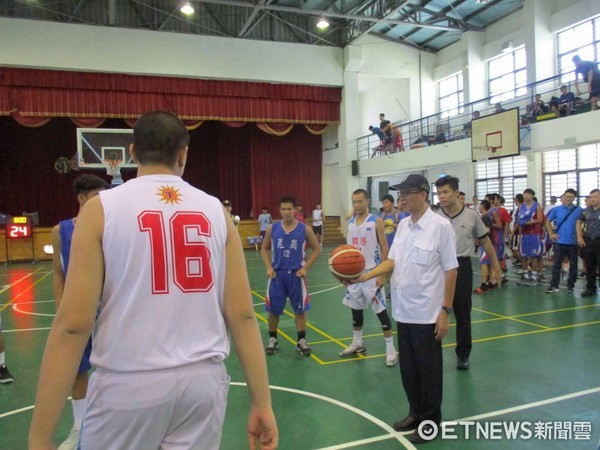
x=560, y=251
x=591, y=255
x=421, y=368
x=462, y=307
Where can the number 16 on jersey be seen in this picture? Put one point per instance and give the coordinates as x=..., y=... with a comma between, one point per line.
x=189, y=260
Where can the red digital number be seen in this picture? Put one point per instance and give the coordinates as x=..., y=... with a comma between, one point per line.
x=17, y=231
x=190, y=258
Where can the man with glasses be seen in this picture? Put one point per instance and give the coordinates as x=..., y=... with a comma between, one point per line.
x=423, y=265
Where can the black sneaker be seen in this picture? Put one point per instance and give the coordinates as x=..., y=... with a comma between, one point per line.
x=588, y=293
x=303, y=347
x=5, y=375
x=570, y=290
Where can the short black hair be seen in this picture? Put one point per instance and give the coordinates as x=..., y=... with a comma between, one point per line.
x=362, y=191
x=387, y=197
x=158, y=136
x=571, y=191
x=371, y=128
x=486, y=205
x=448, y=180
x=529, y=191
x=87, y=183
x=519, y=198
x=593, y=191
x=461, y=193
x=288, y=199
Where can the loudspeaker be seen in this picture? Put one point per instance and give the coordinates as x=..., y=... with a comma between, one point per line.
x=354, y=167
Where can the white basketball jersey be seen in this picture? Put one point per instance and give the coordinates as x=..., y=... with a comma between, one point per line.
x=364, y=238
x=162, y=299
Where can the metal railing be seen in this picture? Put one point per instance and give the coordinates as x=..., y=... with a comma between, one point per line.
x=442, y=127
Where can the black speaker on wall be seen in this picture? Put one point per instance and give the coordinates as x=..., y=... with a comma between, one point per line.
x=354, y=168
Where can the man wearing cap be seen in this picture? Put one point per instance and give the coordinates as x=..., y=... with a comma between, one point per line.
x=423, y=265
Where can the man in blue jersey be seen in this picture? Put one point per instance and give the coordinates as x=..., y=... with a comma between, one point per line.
x=86, y=187
x=283, y=253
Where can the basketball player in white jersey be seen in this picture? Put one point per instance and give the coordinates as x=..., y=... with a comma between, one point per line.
x=163, y=264
x=86, y=187
x=366, y=232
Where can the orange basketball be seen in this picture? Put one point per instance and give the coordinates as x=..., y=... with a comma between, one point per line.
x=346, y=262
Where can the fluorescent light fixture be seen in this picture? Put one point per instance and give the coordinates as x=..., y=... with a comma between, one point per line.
x=187, y=9
x=322, y=24
x=481, y=2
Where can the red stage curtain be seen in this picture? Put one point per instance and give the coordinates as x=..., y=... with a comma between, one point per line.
x=316, y=129
x=289, y=165
x=276, y=129
x=48, y=93
x=31, y=122
x=87, y=122
x=234, y=124
x=192, y=124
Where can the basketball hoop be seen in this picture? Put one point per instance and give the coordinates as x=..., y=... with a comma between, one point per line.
x=113, y=168
x=482, y=153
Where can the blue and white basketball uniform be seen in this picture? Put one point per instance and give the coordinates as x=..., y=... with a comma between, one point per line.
x=531, y=240
x=364, y=238
x=287, y=250
x=66, y=228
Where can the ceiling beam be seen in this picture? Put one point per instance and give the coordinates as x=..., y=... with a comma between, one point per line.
x=76, y=10
x=329, y=14
x=387, y=16
x=250, y=19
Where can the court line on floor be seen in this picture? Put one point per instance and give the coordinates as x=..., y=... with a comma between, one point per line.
x=6, y=287
x=497, y=413
x=25, y=329
x=392, y=434
x=502, y=316
x=312, y=327
x=12, y=300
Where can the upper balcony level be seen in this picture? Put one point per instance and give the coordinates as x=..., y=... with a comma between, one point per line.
x=444, y=139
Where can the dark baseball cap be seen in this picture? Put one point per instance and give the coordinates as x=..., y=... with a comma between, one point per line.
x=412, y=183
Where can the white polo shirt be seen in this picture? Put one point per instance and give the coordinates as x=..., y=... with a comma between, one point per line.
x=422, y=253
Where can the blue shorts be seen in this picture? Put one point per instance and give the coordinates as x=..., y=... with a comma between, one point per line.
x=85, y=364
x=286, y=285
x=531, y=245
x=483, y=256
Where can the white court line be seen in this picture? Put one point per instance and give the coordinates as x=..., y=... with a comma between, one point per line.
x=29, y=313
x=392, y=433
x=25, y=329
x=499, y=412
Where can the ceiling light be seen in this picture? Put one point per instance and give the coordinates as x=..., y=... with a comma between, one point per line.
x=481, y=2
x=322, y=24
x=187, y=9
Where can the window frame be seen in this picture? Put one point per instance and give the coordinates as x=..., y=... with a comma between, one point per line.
x=519, y=90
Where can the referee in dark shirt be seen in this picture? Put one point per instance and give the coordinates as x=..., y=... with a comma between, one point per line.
x=588, y=237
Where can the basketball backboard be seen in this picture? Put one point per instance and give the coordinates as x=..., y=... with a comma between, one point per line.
x=495, y=135
x=95, y=146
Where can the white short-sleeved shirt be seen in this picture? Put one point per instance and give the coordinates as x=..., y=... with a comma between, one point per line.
x=422, y=252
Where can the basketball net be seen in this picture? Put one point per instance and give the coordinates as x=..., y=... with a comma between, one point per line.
x=482, y=153
x=113, y=168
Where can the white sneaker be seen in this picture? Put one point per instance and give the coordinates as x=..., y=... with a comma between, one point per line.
x=391, y=358
x=353, y=349
x=72, y=442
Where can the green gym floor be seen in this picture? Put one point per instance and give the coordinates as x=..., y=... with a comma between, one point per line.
x=535, y=359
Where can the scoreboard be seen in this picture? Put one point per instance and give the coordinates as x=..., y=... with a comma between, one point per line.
x=18, y=227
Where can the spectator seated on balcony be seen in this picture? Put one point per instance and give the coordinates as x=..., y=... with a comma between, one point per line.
x=467, y=126
x=564, y=105
x=537, y=108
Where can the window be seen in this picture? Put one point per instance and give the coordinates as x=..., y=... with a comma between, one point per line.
x=450, y=92
x=506, y=176
x=578, y=169
x=582, y=40
x=508, y=76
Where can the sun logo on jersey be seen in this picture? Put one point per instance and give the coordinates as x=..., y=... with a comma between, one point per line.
x=169, y=194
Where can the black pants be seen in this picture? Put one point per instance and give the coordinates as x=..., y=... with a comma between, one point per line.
x=591, y=255
x=560, y=251
x=421, y=367
x=462, y=307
